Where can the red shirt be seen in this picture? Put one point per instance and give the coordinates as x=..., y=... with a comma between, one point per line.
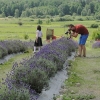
x=53, y=37
x=80, y=29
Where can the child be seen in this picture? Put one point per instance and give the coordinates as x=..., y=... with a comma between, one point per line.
x=38, y=40
x=54, y=37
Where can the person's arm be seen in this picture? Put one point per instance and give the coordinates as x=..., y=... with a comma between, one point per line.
x=36, y=36
x=41, y=34
x=74, y=34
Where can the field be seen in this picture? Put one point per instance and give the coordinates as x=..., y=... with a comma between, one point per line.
x=10, y=29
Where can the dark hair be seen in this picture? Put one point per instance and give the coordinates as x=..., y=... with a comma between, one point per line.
x=70, y=25
x=39, y=27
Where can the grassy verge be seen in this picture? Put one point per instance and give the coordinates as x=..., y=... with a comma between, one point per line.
x=6, y=67
x=84, y=78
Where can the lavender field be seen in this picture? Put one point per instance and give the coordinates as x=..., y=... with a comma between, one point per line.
x=31, y=76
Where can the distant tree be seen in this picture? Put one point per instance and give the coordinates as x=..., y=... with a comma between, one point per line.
x=89, y=12
x=41, y=8
x=84, y=12
x=16, y=13
x=64, y=8
x=23, y=14
x=92, y=7
x=28, y=12
x=3, y=14
x=79, y=10
x=97, y=16
x=61, y=14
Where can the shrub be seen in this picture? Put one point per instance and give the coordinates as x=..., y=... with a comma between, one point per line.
x=29, y=74
x=15, y=94
x=57, y=51
x=96, y=44
x=94, y=26
x=39, y=21
x=36, y=71
x=3, y=51
x=80, y=19
x=14, y=46
x=26, y=36
x=96, y=35
x=48, y=66
x=20, y=23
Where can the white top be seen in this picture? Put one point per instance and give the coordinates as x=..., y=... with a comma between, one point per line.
x=39, y=33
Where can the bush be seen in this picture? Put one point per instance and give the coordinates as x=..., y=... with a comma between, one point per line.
x=64, y=19
x=20, y=23
x=39, y=21
x=48, y=66
x=80, y=19
x=15, y=94
x=26, y=36
x=14, y=46
x=36, y=71
x=94, y=26
x=3, y=51
x=96, y=44
x=30, y=74
x=96, y=35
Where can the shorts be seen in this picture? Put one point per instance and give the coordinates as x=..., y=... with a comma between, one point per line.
x=82, y=39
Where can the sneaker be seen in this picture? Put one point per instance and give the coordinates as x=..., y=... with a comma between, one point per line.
x=34, y=52
x=84, y=55
x=78, y=56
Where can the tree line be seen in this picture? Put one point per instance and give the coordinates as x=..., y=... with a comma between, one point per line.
x=43, y=8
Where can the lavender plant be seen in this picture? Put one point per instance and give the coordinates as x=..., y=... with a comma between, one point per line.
x=14, y=46
x=15, y=94
x=31, y=75
x=23, y=92
x=96, y=44
x=36, y=71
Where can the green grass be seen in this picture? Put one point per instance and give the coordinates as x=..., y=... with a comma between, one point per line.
x=85, y=72
x=9, y=28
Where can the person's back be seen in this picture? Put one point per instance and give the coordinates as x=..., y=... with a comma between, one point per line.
x=80, y=29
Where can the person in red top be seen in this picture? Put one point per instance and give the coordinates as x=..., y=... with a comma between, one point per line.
x=83, y=31
x=54, y=37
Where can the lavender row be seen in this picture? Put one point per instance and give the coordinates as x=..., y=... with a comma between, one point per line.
x=32, y=75
x=14, y=46
x=96, y=44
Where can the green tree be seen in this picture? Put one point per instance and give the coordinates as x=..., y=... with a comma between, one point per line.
x=89, y=12
x=84, y=12
x=79, y=10
x=3, y=14
x=16, y=13
x=92, y=7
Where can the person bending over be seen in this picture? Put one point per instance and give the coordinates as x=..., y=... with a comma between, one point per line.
x=84, y=33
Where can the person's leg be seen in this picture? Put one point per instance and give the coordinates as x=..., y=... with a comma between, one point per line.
x=80, y=47
x=80, y=50
x=39, y=48
x=84, y=50
x=34, y=48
